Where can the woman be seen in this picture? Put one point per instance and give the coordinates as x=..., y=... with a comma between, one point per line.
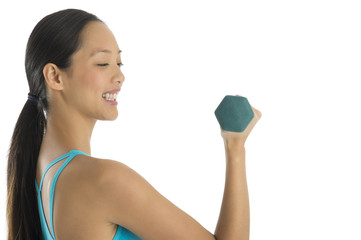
x=73, y=70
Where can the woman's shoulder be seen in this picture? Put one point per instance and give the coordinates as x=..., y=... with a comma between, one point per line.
x=102, y=175
x=98, y=170
x=111, y=185
x=108, y=177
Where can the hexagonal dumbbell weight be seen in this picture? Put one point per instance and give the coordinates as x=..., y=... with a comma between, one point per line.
x=234, y=113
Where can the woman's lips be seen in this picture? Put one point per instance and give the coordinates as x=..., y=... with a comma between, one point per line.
x=113, y=91
x=111, y=96
x=114, y=102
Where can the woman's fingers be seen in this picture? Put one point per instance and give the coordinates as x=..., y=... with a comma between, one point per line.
x=257, y=113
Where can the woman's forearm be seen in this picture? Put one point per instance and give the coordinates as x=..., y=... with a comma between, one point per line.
x=234, y=218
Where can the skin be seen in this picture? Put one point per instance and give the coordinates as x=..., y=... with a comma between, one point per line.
x=95, y=195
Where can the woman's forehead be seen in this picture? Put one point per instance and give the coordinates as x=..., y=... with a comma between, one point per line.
x=97, y=38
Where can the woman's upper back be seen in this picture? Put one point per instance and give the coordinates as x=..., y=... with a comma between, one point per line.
x=70, y=201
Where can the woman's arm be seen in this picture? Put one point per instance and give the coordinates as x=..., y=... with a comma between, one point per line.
x=234, y=218
x=130, y=201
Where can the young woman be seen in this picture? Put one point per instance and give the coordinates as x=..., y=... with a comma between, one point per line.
x=56, y=189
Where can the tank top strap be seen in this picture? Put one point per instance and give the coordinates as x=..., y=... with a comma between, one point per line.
x=72, y=154
x=38, y=188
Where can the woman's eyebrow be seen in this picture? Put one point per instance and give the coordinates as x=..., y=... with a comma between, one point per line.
x=102, y=51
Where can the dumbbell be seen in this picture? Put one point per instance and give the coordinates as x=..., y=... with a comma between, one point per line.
x=234, y=113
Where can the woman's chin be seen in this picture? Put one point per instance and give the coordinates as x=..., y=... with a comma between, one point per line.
x=109, y=116
x=113, y=117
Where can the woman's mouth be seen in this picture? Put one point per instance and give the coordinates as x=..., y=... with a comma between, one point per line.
x=111, y=97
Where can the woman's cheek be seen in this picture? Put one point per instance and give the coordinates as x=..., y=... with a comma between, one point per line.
x=94, y=79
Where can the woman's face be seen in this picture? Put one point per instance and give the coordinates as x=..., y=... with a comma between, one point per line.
x=93, y=81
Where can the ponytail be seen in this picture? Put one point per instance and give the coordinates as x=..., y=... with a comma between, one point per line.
x=22, y=209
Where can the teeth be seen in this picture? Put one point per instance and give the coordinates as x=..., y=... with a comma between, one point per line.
x=110, y=96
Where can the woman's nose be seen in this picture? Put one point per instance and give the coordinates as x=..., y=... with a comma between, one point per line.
x=118, y=77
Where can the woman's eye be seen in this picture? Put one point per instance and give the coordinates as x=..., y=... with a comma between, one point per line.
x=106, y=64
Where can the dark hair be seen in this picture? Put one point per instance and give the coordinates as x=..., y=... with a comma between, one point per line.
x=53, y=40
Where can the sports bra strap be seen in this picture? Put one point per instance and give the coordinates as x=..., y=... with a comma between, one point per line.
x=70, y=155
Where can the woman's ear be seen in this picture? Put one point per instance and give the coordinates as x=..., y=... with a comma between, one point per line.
x=53, y=77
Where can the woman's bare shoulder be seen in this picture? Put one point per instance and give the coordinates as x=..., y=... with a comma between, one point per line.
x=107, y=183
x=98, y=179
x=105, y=176
x=97, y=170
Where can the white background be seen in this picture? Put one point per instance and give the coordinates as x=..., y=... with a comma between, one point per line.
x=298, y=62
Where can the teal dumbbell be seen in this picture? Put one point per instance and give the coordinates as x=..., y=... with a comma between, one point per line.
x=234, y=113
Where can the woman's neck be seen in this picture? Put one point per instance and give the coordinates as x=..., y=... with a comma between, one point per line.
x=65, y=132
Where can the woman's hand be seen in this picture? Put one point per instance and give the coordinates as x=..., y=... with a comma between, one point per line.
x=241, y=136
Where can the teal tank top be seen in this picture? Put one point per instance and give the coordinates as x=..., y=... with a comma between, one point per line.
x=121, y=234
